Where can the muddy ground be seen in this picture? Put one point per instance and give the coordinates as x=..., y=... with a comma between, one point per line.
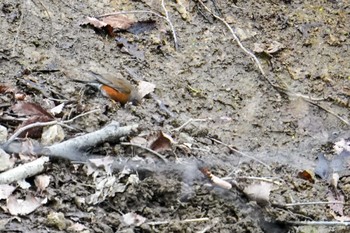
x=208, y=77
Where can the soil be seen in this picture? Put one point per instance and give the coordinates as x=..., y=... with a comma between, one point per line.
x=209, y=79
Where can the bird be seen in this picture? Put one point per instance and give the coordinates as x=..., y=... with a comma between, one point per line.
x=117, y=89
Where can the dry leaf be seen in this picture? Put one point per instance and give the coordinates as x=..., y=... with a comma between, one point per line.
x=57, y=110
x=337, y=208
x=105, y=162
x=36, y=113
x=23, y=207
x=259, y=192
x=145, y=88
x=118, y=21
x=5, y=161
x=110, y=23
x=162, y=142
x=30, y=109
x=6, y=190
x=307, y=175
x=133, y=219
x=42, y=182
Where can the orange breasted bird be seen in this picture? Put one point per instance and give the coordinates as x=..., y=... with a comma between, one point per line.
x=117, y=89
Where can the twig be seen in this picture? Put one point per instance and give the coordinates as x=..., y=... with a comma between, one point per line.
x=42, y=124
x=147, y=149
x=187, y=122
x=182, y=221
x=72, y=148
x=314, y=203
x=277, y=87
x=325, y=223
x=170, y=24
x=241, y=153
x=235, y=37
x=329, y=111
x=23, y=171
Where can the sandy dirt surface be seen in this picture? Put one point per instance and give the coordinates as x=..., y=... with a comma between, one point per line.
x=283, y=120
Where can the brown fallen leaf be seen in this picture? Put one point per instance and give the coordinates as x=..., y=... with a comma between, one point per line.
x=161, y=142
x=109, y=23
x=30, y=109
x=36, y=114
x=307, y=175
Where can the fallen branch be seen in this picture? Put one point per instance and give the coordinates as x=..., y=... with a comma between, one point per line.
x=23, y=171
x=72, y=149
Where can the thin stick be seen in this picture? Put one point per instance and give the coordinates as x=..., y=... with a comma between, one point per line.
x=170, y=24
x=281, y=89
x=42, y=124
x=314, y=203
x=187, y=122
x=147, y=149
x=235, y=37
x=329, y=111
x=325, y=223
x=241, y=153
x=182, y=221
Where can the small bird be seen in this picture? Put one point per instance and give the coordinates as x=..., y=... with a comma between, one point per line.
x=117, y=89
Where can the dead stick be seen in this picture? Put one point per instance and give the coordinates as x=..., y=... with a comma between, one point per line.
x=23, y=171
